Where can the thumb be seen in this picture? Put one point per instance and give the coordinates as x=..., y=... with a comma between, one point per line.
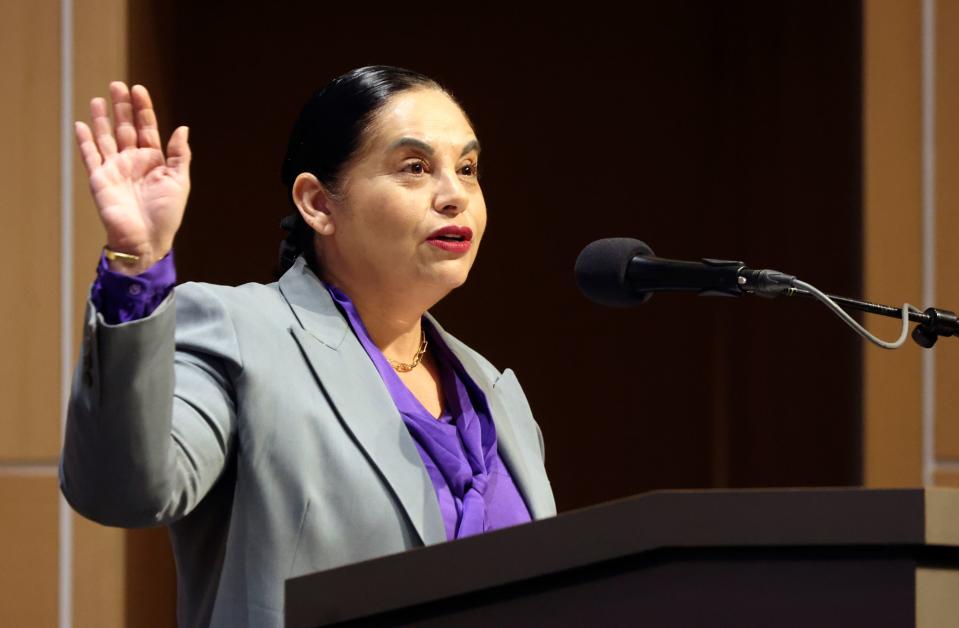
x=178, y=151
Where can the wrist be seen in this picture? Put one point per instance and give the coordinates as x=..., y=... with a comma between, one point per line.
x=130, y=263
x=121, y=298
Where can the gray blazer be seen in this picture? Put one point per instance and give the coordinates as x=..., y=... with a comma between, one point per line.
x=250, y=421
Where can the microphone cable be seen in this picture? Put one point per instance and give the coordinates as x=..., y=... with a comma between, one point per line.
x=849, y=320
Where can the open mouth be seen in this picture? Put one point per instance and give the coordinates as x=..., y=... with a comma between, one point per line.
x=453, y=238
x=452, y=233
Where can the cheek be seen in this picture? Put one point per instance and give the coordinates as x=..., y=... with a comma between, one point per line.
x=481, y=219
x=384, y=211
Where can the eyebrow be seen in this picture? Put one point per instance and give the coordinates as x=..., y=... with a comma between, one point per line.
x=411, y=142
x=470, y=147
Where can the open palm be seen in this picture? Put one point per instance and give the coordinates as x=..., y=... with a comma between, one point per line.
x=140, y=193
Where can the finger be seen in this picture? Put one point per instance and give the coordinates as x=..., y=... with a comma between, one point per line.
x=178, y=151
x=126, y=133
x=88, y=148
x=148, y=132
x=102, y=131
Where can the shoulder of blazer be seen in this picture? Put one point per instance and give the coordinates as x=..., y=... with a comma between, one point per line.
x=245, y=297
x=199, y=299
x=214, y=318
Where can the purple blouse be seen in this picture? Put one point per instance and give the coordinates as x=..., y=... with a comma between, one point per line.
x=473, y=487
x=475, y=490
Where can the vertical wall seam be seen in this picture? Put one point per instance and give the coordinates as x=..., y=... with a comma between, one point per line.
x=928, y=231
x=65, y=527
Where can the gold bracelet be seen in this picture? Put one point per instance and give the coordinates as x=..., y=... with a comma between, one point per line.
x=126, y=258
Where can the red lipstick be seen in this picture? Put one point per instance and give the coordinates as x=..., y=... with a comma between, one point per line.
x=453, y=238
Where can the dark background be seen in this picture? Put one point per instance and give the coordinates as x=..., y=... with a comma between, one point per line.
x=706, y=129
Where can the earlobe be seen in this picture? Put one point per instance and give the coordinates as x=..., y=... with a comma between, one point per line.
x=313, y=201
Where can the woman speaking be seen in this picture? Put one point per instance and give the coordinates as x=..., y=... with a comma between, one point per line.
x=320, y=420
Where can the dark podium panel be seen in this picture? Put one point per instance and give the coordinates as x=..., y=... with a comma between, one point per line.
x=783, y=558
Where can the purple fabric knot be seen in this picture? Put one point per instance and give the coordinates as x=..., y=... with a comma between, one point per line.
x=473, y=519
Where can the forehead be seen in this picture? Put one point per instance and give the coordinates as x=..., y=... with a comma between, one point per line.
x=424, y=114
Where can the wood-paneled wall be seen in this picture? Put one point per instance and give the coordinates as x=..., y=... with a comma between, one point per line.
x=30, y=358
x=947, y=232
x=107, y=563
x=899, y=450
x=99, y=56
x=30, y=230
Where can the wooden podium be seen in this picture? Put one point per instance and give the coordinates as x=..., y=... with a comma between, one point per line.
x=783, y=558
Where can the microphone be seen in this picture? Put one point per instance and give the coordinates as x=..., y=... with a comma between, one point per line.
x=624, y=272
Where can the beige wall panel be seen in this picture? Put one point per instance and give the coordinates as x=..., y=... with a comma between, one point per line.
x=892, y=236
x=100, y=44
x=936, y=597
x=98, y=575
x=100, y=53
x=947, y=223
x=28, y=545
x=29, y=229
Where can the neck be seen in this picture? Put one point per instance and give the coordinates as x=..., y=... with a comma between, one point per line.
x=395, y=329
x=392, y=319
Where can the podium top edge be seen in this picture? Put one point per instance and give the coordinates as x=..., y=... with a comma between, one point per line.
x=870, y=519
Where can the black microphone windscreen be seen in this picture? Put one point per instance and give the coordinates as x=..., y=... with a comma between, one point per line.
x=601, y=271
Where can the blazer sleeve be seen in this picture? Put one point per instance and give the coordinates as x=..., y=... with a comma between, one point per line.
x=151, y=421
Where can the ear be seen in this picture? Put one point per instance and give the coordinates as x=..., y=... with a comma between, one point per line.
x=313, y=201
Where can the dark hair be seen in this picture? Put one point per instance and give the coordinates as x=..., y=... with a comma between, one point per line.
x=328, y=132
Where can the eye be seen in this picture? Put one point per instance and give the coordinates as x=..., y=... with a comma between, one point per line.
x=470, y=170
x=417, y=166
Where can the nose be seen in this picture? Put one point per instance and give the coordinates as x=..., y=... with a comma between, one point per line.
x=451, y=197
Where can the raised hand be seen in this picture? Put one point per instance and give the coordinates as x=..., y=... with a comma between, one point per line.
x=140, y=193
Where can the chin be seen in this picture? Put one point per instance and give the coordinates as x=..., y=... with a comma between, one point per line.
x=451, y=283
x=449, y=280
x=452, y=271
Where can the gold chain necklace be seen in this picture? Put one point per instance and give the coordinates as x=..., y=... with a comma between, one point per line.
x=406, y=367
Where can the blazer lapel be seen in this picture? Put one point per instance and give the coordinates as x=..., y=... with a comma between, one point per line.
x=527, y=472
x=356, y=392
